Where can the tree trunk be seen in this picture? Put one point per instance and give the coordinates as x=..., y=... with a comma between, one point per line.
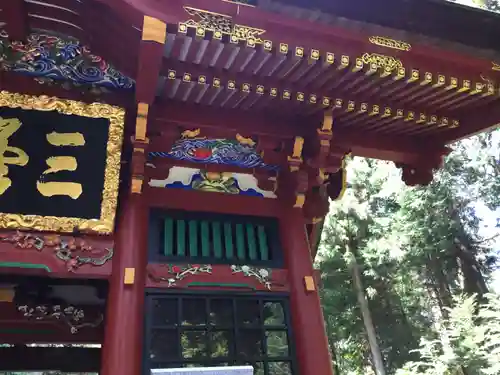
x=366, y=314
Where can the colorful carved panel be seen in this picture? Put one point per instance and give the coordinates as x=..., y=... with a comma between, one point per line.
x=231, y=152
x=59, y=163
x=207, y=276
x=197, y=179
x=53, y=58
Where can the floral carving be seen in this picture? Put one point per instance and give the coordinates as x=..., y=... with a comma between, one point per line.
x=72, y=316
x=262, y=275
x=74, y=251
x=179, y=272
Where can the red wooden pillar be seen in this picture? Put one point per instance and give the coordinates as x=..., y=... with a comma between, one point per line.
x=123, y=339
x=311, y=344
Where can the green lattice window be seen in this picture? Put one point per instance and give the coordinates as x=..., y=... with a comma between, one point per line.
x=229, y=239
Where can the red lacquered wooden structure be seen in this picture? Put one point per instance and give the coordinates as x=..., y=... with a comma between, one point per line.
x=299, y=85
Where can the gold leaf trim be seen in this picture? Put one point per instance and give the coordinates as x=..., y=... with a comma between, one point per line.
x=116, y=117
x=390, y=43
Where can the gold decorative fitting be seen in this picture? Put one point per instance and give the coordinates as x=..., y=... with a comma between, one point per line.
x=223, y=25
x=141, y=121
x=202, y=80
x=245, y=87
x=300, y=96
x=330, y=58
x=297, y=147
x=299, y=201
x=309, y=284
x=495, y=66
x=382, y=61
x=401, y=73
x=200, y=31
x=186, y=77
x=327, y=122
x=218, y=34
x=286, y=94
x=344, y=62
x=427, y=78
x=245, y=140
x=415, y=75
x=172, y=74
x=251, y=42
x=129, y=276
x=182, y=28
x=190, y=133
x=338, y=103
x=351, y=106
x=375, y=110
x=313, y=98
x=364, y=107
x=116, y=117
x=326, y=101
x=268, y=45
x=410, y=116
x=387, y=112
x=154, y=30
x=216, y=82
x=136, y=185
x=455, y=124
x=260, y=90
x=283, y=48
x=231, y=85
x=358, y=66
x=315, y=54
x=273, y=92
x=299, y=52
x=422, y=118
x=390, y=43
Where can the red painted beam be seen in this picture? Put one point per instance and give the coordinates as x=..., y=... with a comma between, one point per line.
x=178, y=199
x=14, y=13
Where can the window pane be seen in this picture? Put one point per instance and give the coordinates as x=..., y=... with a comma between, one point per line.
x=221, y=312
x=221, y=344
x=279, y=368
x=165, y=311
x=277, y=343
x=249, y=343
x=193, y=312
x=258, y=367
x=164, y=344
x=194, y=344
x=247, y=312
x=273, y=314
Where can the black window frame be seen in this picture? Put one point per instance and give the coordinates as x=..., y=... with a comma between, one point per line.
x=157, y=217
x=233, y=359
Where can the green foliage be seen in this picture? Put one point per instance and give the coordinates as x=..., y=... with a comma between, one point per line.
x=418, y=249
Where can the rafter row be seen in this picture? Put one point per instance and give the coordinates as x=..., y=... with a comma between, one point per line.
x=349, y=106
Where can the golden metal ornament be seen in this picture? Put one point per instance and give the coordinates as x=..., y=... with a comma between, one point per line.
x=222, y=24
x=390, y=43
x=116, y=117
x=495, y=66
x=382, y=61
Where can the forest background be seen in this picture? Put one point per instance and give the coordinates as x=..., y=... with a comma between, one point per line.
x=411, y=276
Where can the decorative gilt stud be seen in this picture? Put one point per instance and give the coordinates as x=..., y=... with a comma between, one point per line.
x=455, y=123
x=422, y=118
x=490, y=89
x=231, y=85
x=182, y=28
x=300, y=96
x=387, y=112
x=245, y=87
x=299, y=201
x=441, y=81
x=268, y=45
x=363, y=108
x=465, y=86
x=344, y=62
x=427, y=78
x=410, y=116
x=401, y=74
x=286, y=94
x=218, y=35
x=251, y=42
x=186, y=77
x=338, y=103
x=444, y=122
x=351, y=106
x=386, y=72
x=453, y=83
x=433, y=120
x=358, y=66
x=313, y=98
x=172, y=74
x=283, y=48
x=234, y=39
x=330, y=58
x=202, y=80
x=399, y=113
x=216, y=82
x=273, y=92
x=299, y=51
x=200, y=31
x=315, y=54
x=260, y=90
x=415, y=75
x=375, y=110
x=326, y=101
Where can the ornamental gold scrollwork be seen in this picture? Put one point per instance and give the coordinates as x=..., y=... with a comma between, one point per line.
x=116, y=117
x=382, y=61
x=390, y=43
x=495, y=66
x=223, y=24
